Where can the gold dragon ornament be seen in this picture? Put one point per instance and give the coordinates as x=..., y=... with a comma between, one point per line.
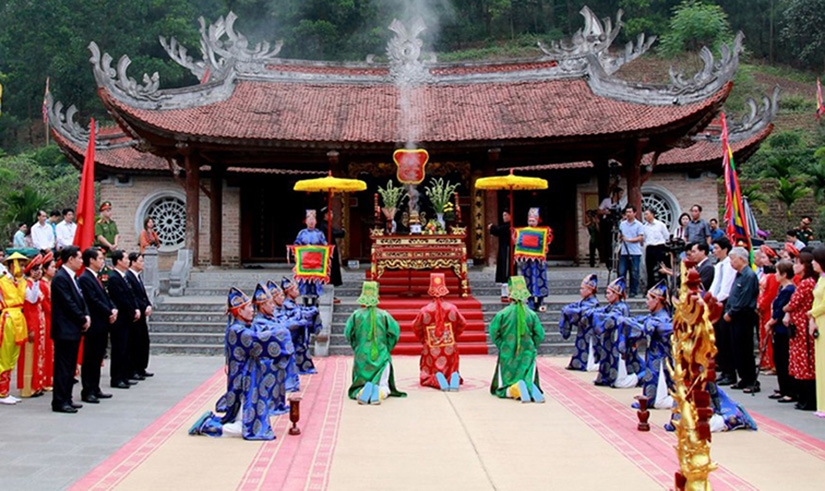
x=694, y=348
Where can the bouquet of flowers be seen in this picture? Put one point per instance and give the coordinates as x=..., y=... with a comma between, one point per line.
x=440, y=194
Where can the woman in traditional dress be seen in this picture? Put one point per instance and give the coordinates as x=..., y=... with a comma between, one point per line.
x=517, y=332
x=437, y=326
x=148, y=236
x=576, y=315
x=801, y=344
x=372, y=333
x=49, y=270
x=768, y=288
x=816, y=328
x=31, y=367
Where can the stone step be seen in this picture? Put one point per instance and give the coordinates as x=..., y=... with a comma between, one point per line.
x=188, y=338
x=188, y=327
x=169, y=317
x=544, y=349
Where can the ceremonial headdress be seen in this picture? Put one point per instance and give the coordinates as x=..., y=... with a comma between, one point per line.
x=236, y=300
x=518, y=288
x=310, y=213
x=261, y=294
x=273, y=288
x=591, y=281
x=33, y=263
x=792, y=250
x=369, y=294
x=16, y=256
x=49, y=257
x=287, y=283
x=618, y=286
x=659, y=291
x=533, y=213
x=438, y=287
x=768, y=251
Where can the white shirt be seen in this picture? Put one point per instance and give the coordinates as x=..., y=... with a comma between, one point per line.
x=72, y=276
x=607, y=204
x=42, y=236
x=723, y=277
x=65, y=234
x=656, y=232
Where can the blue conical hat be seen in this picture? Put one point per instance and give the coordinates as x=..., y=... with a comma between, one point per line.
x=261, y=294
x=591, y=281
x=236, y=299
x=287, y=283
x=659, y=290
x=273, y=288
x=619, y=285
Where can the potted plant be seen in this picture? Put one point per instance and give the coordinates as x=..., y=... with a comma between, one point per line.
x=440, y=194
x=392, y=196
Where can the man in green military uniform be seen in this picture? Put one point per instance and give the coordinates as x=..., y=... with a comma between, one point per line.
x=517, y=332
x=372, y=333
x=106, y=233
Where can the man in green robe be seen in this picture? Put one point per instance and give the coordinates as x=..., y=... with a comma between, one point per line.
x=517, y=332
x=372, y=333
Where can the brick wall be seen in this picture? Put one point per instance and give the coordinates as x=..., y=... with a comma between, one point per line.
x=686, y=191
x=126, y=199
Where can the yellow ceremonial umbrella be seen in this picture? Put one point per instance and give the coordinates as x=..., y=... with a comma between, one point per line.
x=330, y=184
x=511, y=183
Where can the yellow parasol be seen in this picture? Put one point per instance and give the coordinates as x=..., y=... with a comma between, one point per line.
x=330, y=184
x=511, y=182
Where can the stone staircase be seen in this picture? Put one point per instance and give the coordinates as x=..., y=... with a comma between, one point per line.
x=195, y=323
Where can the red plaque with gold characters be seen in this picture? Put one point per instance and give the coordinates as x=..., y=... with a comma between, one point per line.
x=411, y=164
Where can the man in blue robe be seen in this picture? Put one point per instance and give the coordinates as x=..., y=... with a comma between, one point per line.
x=311, y=236
x=265, y=320
x=534, y=270
x=656, y=327
x=307, y=321
x=616, y=369
x=246, y=403
x=282, y=316
x=577, y=315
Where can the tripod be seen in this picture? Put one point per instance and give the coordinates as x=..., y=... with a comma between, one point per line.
x=614, y=250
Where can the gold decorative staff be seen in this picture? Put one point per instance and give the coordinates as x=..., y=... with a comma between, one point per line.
x=694, y=347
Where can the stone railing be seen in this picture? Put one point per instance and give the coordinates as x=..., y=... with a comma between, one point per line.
x=179, y=275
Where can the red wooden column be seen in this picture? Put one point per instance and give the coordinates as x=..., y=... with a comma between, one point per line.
x=192, y=168
x=216, y=214
x=633, y=172
x=491, y=214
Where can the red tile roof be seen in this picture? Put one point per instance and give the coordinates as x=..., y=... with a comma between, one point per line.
x=369, y=113
x=126, y=158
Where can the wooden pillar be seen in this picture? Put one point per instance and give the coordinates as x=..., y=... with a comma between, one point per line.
x=216, y=215
x=491, y=208
x=633, y=172
x=190, y=164
x=339, y=202
x=602, y=177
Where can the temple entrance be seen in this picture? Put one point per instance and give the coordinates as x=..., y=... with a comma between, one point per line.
x=271, y=216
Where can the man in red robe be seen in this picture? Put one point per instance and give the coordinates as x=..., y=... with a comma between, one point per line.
x=437, y=326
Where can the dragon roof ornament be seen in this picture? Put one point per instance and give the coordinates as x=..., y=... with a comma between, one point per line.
x=404, y=52
x=222, y=48
x=65, y=125
x=681, y=90
x=755, y=119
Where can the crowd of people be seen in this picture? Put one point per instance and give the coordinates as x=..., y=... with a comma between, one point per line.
x=59, y=321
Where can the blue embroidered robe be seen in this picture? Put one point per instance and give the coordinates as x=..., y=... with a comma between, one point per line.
x=656, y=328
x=304, y=321
x=279, y=369
x=606, y=321
x=535, y=275
x=577, y=314
x=311, y=237
x=249, y=383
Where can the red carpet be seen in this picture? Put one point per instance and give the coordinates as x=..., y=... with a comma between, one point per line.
x=408, y=282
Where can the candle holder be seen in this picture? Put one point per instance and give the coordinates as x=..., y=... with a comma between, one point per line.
x=294, y=415
x=643, y=414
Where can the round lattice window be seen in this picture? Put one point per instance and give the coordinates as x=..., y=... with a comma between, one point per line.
x=662, y=203
x=169, y=214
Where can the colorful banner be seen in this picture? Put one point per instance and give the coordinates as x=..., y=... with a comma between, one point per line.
x=738, y=228
x=312, y=262
x=532, y=243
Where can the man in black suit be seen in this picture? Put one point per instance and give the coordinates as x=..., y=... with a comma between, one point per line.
x=139, y=335
x=699, y=254
x=103, y=314
x=128, y=314
x=70, y=319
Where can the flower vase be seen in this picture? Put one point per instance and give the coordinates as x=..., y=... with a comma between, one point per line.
x=440, y=218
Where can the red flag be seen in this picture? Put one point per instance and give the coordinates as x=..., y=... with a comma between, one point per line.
x=85, y=235
x=820, y=107
x=737, y=221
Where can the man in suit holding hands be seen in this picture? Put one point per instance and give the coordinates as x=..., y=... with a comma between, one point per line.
x=139, y=335
x=103, y=313
x=128, y=314
x=70, y=320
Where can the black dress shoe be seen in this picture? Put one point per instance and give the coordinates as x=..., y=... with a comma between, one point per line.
x=101, y=395
x=120, y=385
x=137, y=377
x=91, y=399
x=148, y=374
x=66, y=408
x=131, y=382
x=76, y=405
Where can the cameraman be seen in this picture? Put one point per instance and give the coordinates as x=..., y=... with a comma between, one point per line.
x=631, y=237
x=610, y=213
x=656, y=235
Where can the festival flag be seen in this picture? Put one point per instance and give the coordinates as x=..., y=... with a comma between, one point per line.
x=820, y=107
x=85, y=235
x=738, y=228
x=46, y=105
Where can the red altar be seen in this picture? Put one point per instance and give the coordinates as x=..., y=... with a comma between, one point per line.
x=420, y=252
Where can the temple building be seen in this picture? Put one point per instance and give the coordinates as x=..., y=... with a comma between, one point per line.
x=215, y=163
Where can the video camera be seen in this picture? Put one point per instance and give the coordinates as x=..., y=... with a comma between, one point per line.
x=676, y=245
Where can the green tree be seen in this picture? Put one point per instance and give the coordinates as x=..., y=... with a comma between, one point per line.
x=756, y=198
x=802, y=22
x=695, y=24
x=789, y=192
x=816, y=176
